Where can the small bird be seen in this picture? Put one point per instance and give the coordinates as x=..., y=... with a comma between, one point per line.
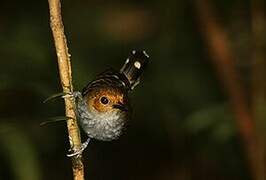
x=103, y=106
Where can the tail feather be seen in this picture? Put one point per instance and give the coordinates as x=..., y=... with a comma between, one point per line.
x=134, y=66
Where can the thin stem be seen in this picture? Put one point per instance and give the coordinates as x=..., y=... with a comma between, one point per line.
x=258, y=79
x=64, y=65
x=223, y=59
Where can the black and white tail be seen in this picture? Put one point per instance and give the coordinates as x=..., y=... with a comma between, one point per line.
x=134, y=66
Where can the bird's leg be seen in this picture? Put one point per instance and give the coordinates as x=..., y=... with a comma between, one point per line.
x=75, y=95
x=81, y=149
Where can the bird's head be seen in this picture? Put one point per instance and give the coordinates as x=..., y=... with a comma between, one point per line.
x=108, y=100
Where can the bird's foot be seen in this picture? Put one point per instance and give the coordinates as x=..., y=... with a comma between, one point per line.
x=81, y=149
x=74, y=95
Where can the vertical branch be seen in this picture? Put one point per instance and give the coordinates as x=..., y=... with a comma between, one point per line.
x=258, y=79
x=258, y=58
x=64, y=65
x=223, y=59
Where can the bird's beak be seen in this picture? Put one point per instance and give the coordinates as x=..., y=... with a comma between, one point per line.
x=120, y=106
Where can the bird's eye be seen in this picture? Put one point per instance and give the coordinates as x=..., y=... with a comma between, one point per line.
x=104, y=100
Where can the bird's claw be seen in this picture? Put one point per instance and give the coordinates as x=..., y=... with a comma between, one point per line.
x=71, y=94
x=74, y=95
x=80, y=150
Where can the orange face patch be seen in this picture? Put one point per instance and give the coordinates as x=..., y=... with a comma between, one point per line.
x=104, y=100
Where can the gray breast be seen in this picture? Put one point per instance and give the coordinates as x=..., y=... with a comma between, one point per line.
x=102, y=126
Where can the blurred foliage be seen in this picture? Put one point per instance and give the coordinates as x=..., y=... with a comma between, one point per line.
x=20, y=153
x=182, y=126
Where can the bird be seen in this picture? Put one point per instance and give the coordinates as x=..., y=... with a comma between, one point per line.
x=103, y=107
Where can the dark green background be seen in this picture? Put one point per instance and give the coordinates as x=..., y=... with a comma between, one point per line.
x=182, y=126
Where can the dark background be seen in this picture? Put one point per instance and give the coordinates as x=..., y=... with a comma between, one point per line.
x=183, y=126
